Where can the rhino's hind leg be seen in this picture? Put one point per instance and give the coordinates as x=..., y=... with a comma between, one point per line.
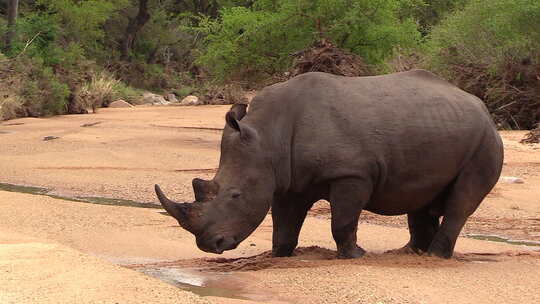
x=462, y=200
x=347, y=199
x=288, y=216
x=464, y=195
x=422, y=227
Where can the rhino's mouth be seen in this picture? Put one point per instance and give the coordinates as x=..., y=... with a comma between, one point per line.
x=217, y=244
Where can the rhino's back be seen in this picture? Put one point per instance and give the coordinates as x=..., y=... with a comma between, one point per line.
x=410, y=132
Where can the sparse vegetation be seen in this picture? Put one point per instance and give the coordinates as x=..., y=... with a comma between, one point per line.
x=98, y=92
x=10, y=107
x=125, y=92
x=185, y=91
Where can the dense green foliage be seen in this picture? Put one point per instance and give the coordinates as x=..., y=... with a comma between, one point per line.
x=489, y=34
x=492, y=49
x=487, y=47
x=260, y=40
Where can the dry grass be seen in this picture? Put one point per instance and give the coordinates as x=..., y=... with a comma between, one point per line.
x=98, y=92
x=323, y=56
x=533, y=137
x=9, y=107
x=227, y=94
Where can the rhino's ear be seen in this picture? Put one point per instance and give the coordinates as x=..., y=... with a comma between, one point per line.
x=239, y=110
x=246, y=132
x=231, y=120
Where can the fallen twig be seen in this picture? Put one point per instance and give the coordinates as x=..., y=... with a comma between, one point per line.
x=91, y=124
x=193, y=128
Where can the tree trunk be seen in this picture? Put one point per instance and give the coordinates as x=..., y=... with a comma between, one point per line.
x=134, y=26
x=12, y=11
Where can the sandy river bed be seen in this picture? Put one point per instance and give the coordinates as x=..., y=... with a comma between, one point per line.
x=57, y=250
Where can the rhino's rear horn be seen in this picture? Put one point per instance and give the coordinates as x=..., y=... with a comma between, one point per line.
x=176, y=210
x=204, y=190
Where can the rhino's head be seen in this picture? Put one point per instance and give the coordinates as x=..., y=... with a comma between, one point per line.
x=228, y=208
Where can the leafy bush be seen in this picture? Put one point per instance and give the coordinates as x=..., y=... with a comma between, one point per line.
x=41, y=91
x=125, y=92
x=429, y=13
x=83, y=21
x=488, y=33
x=185, y=91
x=490, y=49
x=248, y=42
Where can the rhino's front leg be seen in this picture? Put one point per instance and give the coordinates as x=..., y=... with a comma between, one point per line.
x=347, y=199
x=287, y=216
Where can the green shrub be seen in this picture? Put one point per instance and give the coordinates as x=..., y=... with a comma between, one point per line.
x=125, y=92
x=56, y=97
x=185, y=91
x=258, y=41
x=36, y=36
x=429, y=13
x=41, y=91
x=83, y=21
x=488, y=33
x=492, y=49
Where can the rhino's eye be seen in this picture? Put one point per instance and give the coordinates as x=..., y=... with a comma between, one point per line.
x=235, y=194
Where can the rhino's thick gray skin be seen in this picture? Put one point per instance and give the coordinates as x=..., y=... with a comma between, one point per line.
x=406, y=143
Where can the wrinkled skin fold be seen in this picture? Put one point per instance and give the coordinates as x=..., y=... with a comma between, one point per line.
x=405, y=143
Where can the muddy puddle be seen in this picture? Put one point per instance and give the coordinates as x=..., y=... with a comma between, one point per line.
x=200, y=283
x=501, y=239
x=83, y=199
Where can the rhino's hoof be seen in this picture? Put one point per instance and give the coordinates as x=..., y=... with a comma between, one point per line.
x=351, y=253
x=440, y=254
x=406, y=250
x=283, y=251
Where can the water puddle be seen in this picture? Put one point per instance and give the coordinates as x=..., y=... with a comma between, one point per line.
x=82, y=199
x=23, y=189
x=500, y=239
x=202, y=284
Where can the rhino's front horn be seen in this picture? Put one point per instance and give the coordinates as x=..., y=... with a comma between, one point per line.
x=178, y=211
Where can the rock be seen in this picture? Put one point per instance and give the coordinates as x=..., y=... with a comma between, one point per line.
x=171, y=98
x=154, y=99
x=50, y=138
x=511, y=180
x=120, y=103
x=190, y=101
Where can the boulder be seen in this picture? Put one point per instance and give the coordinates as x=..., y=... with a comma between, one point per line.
x=190, y=101
x=46, y=138
x=171, y=98
x=511, y=180
x=154, y=99
x=120, y=103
